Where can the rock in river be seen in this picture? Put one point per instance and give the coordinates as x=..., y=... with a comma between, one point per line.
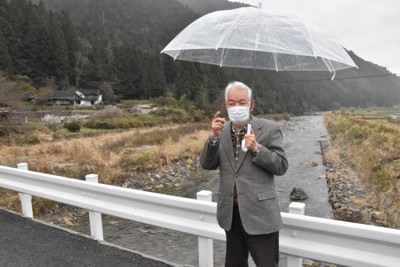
x=298, y=194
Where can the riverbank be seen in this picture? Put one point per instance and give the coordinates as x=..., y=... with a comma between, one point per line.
x=371, y=151
x=347, y=194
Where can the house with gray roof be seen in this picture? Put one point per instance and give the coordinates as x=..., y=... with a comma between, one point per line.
x=81, y=97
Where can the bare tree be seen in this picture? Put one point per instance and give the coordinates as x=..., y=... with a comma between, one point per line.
x=81, y=62
x=11, y=95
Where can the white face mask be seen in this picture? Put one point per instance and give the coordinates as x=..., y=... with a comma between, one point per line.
x=239, y=115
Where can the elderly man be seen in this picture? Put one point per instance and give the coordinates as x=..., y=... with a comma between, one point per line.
x=247, y=207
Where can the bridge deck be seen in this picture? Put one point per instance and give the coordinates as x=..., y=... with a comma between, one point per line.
x=26, y=242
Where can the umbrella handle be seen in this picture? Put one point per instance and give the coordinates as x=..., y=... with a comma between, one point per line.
x=244, y=148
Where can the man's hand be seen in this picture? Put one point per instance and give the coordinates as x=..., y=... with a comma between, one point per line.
x=217, y=125
x=251, y=143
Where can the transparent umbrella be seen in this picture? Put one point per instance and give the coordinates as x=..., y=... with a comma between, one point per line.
x=251, y=38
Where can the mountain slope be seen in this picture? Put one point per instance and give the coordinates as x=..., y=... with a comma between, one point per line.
x=120, y=43
x=206, y=6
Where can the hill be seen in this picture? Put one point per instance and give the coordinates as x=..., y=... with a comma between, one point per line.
x=203, y=7
x=115, y=45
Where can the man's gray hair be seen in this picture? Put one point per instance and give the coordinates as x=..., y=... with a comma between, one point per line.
x=237, y=85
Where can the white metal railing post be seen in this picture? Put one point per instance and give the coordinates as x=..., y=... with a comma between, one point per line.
x=26, y=199
x=96, y=224
x=206, y=258
x=295, y=208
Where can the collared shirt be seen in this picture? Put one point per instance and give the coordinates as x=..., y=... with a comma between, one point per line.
x=237, y=138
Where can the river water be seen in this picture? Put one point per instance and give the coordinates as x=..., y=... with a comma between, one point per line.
x=301, y=143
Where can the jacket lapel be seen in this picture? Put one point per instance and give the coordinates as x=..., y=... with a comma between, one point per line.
x=226, y=142
x=257, y=128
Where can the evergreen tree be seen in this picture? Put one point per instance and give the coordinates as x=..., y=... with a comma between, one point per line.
x=169, y=69
x=35, y=41
x=13, y=34
x=57, y=52
x=188, y=80
x=127, y=66
x=5, y=58
x=71, y=41
x=153, y=80
x=202, y=100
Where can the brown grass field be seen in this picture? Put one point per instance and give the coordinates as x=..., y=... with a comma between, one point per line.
x=113, y=156
x=110, y=155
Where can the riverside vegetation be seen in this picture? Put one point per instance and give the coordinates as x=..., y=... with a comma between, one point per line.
x=373, y=152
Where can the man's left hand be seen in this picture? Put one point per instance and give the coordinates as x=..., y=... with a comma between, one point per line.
x=251, y=143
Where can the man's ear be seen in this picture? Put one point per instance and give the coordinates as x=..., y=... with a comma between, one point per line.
x=252, y=105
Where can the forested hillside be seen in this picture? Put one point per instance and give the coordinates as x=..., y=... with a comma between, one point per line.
x=114, y=46
x=206, y=6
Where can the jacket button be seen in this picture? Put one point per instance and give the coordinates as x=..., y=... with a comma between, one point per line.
x=237, y=175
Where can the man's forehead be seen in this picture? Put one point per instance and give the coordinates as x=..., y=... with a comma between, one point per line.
x=238, y=93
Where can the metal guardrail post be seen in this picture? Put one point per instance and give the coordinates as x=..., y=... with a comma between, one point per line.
x=96, y=224
x=205, y=244
x=295, y=208
x=26, y=199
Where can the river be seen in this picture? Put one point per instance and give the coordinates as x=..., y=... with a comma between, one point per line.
x=301, y=143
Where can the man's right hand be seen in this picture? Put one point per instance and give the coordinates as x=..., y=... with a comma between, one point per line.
x=217, y=125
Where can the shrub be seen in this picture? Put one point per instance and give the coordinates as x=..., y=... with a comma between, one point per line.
x=52, y=122
x=7, y=130
x=33, y=140
x=109, y=112
x=140, y=161
x=198, y=115
x=176, y=115
x=73, y=126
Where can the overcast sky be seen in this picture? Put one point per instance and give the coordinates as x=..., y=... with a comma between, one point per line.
x=370, y=28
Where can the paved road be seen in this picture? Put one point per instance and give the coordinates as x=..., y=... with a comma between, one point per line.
x=27, y=242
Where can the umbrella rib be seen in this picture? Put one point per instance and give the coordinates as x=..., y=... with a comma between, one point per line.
x=178, y=54
x=330, y=67
x=275, y=62
x=223, y=39
x=222, y=57
x=309, y=40
x=228, y=31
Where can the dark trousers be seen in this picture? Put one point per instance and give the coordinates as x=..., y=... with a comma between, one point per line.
x=264, y=249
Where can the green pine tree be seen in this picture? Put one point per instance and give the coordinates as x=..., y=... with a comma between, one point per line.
x=153, y=80
x=57, y=52
x=5, y=58
x=128, y=70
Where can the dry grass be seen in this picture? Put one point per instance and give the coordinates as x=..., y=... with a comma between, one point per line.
x=113, y=156
x=109, y=155
x=374, y=152
x=333, y=155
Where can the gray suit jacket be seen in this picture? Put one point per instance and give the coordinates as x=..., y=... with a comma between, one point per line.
x=254, y=178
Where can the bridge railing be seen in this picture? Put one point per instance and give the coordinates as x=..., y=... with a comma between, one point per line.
x=343, y=243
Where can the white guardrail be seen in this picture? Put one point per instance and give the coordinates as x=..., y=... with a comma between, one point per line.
x=326, y=240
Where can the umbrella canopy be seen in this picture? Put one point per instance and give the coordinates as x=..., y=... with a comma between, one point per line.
x=251, y=38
